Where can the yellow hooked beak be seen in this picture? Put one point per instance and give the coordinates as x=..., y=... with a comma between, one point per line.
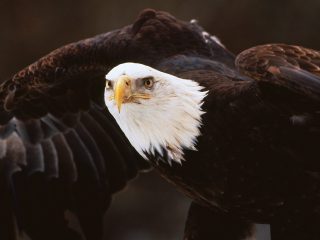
x=122, y=91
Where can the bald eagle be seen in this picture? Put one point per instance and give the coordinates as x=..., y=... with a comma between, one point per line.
x=239, y=135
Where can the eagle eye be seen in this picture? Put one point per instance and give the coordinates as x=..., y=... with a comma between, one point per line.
x=108, y=84
x=148, y=82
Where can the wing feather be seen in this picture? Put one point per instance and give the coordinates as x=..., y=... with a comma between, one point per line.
x=67, y=166
x=16, y=155
x=115, y=169
x=50, y=156
x=35, y=159
x=29, y=130
x=61, y=139
x=93, y=148
x=294, y=68
x=85, y=165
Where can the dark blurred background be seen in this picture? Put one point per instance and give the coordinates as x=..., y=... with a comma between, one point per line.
x=148, y=208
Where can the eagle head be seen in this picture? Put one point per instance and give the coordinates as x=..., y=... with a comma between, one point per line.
x=159, y=113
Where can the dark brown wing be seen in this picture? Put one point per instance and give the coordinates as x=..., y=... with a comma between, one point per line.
x=267, y=130
x=288, y=83
x=59, y=148
x=292, y=67
x=73, y=161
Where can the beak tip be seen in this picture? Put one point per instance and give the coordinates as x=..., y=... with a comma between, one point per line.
x=119, y=107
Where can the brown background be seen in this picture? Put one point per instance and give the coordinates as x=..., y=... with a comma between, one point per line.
x=148, y=208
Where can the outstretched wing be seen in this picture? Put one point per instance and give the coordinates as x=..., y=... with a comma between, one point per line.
x=288, y=81
x=59, y=147
x=291, y=67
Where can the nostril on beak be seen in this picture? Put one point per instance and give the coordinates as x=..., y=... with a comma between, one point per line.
x=127, y=83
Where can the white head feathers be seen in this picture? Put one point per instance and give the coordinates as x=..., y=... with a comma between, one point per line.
x=168, y=121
